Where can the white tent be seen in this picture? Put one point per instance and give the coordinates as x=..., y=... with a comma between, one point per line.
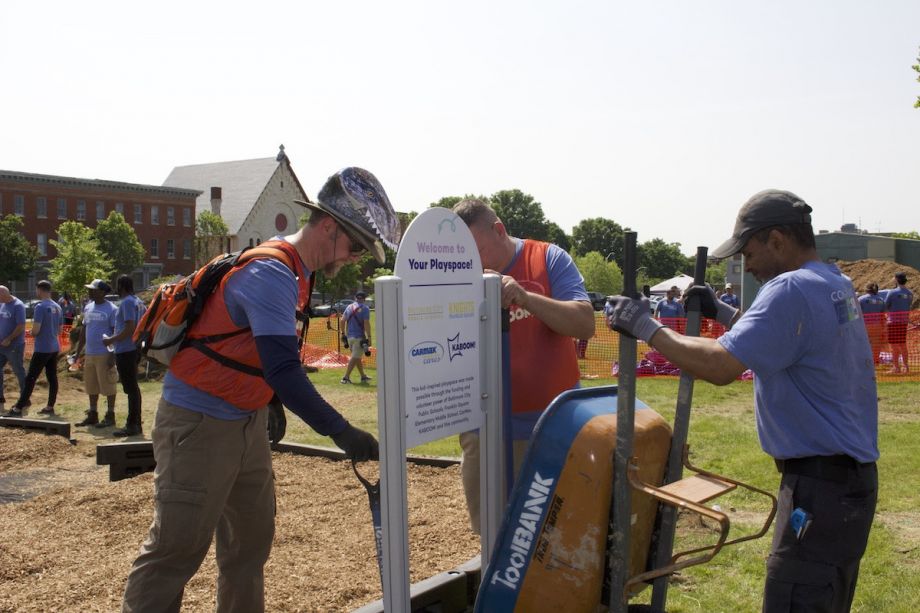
x=682, y=282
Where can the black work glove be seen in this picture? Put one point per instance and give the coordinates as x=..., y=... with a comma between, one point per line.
x=633, y=317
x=711, y=306
x=357, y=444
x=277, y=421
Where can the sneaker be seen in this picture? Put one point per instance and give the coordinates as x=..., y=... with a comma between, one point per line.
x=128, y=430
x=345, y=381
x=14, y=412
x=107, y=422
x=92, y=418
x=46, y=411
x=365, y=379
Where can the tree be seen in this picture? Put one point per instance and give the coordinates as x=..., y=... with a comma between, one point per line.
x=210, y=236
x=913, y=234
x=599, y=234
x=661, y=260
x=916, y=68
x=600, y=275
x=448, y=202
x=79, y=259
x=715, y=273
x=119, y=242
x=17, y=255
x=556, y=236
x=522, y=215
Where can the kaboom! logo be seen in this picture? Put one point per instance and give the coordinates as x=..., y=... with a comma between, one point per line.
x=456, y=347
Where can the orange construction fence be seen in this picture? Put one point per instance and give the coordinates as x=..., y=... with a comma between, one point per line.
x=597, y=357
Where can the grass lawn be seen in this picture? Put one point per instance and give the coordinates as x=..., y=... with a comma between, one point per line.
x=722, y=439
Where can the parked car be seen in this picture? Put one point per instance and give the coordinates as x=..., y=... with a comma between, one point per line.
x=321, y=310
x=30, y=307
x=340, y=305
x=598, y=300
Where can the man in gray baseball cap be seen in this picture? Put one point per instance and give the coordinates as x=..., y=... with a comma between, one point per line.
x=815, y=397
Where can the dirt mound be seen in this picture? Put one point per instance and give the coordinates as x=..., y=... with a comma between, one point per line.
x=863, y=272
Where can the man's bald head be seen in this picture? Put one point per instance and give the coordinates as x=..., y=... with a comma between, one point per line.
x=5, y=295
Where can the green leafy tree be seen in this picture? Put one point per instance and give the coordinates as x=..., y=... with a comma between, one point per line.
x=916, y=68
x=557, y=236
x=599, y=234
x=211, y=233
x=715, y=273
x=522, y=215
x=79, y=259
x=448, y=202
x=119, y=242
x=17, y=255
x=913, y=234
x=661, y=260
x=600, y=275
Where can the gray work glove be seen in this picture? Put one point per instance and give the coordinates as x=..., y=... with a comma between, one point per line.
x=633, y=317
x=357, y=444
x=712, y=307
x=277, y=421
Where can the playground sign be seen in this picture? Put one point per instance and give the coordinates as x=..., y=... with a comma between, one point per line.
x=441, y=274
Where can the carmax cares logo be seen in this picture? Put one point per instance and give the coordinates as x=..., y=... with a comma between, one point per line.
x=456, y=347
x=426, y=352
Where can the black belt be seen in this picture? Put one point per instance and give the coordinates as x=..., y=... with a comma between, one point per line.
x=830, y=467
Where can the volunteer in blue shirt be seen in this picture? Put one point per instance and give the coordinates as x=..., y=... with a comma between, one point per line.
x=670, y=311
x=357, y=318
x=730, y=297
x=214, y=468
x=12, y=338
x=99, y=374
x=873, y=310
x=127, y=356
x=46, y=329
x=815, y=396
x=897, y=303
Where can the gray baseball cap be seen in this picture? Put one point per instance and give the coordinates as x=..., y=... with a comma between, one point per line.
x=771, y=207
x=355, y=198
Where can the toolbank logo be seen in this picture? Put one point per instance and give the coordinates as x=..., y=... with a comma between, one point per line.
x=456, y=347
x=426, y=352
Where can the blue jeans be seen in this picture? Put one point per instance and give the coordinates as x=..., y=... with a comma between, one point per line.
x=13, y=355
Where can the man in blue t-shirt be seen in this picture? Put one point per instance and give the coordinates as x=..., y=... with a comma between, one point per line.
x=46, y=329
x=214, y=469
x=128, y=314
x=670, y=311
x=12, y=338
x=897, y=303
x=815, y=396
x=357, y=319
x=873, y=311
x=99, y=374
x=730, y=297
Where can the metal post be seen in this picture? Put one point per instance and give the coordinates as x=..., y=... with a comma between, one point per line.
x=491, y=453
x=626, y=417
x=667, y=513
x=391, y=420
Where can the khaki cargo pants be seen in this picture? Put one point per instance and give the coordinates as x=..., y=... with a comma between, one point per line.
x=212, y=475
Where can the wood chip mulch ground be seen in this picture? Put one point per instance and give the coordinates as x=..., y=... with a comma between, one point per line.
x=69, y=535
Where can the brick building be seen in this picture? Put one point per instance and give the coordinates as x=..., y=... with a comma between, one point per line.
x=162, y=217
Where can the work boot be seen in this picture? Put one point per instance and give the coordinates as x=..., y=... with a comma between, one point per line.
x=128, y=430
x=108, y=421
x=92, y=417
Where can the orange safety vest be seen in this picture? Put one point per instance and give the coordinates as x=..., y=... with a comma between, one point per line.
x=543, y=362
x=228, y=366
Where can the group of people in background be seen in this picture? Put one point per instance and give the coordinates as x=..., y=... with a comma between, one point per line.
x=105, y=340
x=895, y=303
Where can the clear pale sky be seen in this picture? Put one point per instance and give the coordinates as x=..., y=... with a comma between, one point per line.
x=664, y=116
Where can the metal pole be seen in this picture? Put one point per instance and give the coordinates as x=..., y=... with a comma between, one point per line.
x=667, y=513
x=391, y=424
x=491, y=435
x=626, y=417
